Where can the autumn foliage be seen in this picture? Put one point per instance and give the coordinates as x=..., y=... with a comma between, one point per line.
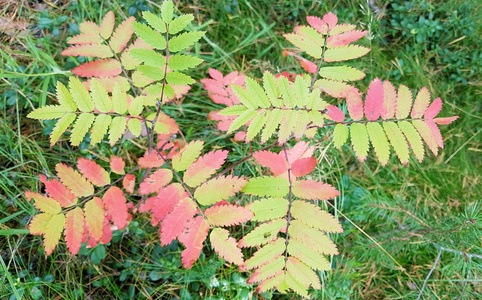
x=191, y=193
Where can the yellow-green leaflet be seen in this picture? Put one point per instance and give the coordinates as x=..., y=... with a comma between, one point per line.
x=340, y=135
x=154, y=21
x=116, y=130
x=184, y=40
x=81, y=127
x=150, y=36
x=101, y=99
x=379, y=142
x=359, y=140
x=62, y=125
x=99, y=129
x=187, y=156
x=397, y=140
x=64, y=97
x=180, y=23
x=80, y=95
x=134, y=126
x=119, y=100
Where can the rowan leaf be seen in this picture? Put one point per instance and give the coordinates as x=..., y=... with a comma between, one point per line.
x=155, y=181
x=74, y=181
x=379, y=142
x=53, y=233
x=165, y=201
x=43, y=203
x=193, y=239
x=181, y=62
x=167, y=10
x=345, y=38
x=389, y=100
x=303, y=166
x=427, y=135
x=61, y=126
x=313, y=216
x=58, y=191
x=295, y=285
x=49, y=112
x=308, y=256
x=336, y=89
x=340, y=135
x=397, y=140
x=268, y=209
x=179, y=24
x=420, y=104
x=204, y=167
x=312, y=238
x=341, y=73
x=93, y=172
x=227, y=215
x=434, y=108
x=413, y=139
x=150, y=160
x=179, y=78
x=122, y=35
x=263, y=234
x=268, y=270
x=94, y=217
x=116, y=129
x=129, y=182
x=345, y=53
x=115, y=205
x=302, y=273
x=404, y=102
x=354, y=104
x=359, y=140
x=374, y=100
x=119, y=100
x=175, y=222
x=64, y=97
x=88, y=50
x=101, y=99
x=117, y=165
x=266, y=254
x=80, y=95
x=154, y=21
x=81, y=127
x=74, y=229
x=267, y=186
x=38, y=224
x=150, y=36
x=314, y=190
x=218, y=189
x=225, y=246
x=107, y=25
x=184, y=40
x=275, y=162
x=100, y=127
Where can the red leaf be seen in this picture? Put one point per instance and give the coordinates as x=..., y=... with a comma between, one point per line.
x=129, y=182
x=204, y=167
x=300, y=150
x=155, y=181
x=193, y=238
x=216, y=74
x=335, y=113
x=165, y=201
x=303, y=166
x=227, y=215
x=101, y=51
x=374, y=100
x=389, y=100
x=177, y=220
x=95, y=218
x=345, y=38
x=445, y=121
x=433, y=109
x=151, y=160
x=122, y=35
x=354, y=104
x=85, y=38
x=98, y=68
x=435, y=133
x=275, y=162
x=93, y=172
x=115, y=203
x=74, y=229
x=314, y=190
x=323, y=25
x=58, y=191
x=117, y=165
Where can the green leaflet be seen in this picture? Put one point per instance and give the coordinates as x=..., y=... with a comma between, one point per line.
x=271, y=89
x=99, y=129
x=308, y=256
x=167, y=10
x=341, y=73
x=287, y=125
x=180, y=23
x=154, y=73
x=134, y=126
x=181, y=62
x=256, y=93
x=101, y=99
x=184, y=40
x=404, y=102
x=179, y=78
x=244, y=96
x=119, y=100
x=49, y=112
x=397, y=140
x=116, y=129
x=187, y=156
x=136, y=106
x=81, y=127
x=234, y=110
x=149, y=57
x=274, y=119
x=150, y=36
x=312, y=238
x=64, y=97
x=345, y=53
x=62, y=125
x=301, y=124
x=379, y=142
x=242, y=119
x=80, y=95
x=267, y=186
x=268, y=209
x=266, y=253
x=302, y=273
x=287, y=92
x=269, y=270
x=256, y=125
x=413, y=138
x=154, y=21
x=263, y=234
x=295, y=285
x=316, y=117
x=301, y=88
x=340, y=135
x=359, y=140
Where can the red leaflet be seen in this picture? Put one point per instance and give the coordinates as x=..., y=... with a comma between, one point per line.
x=335, y=113
x=204, y=167
x=389, y=100
x=314, y=190
x=374, y=100
x=445, y=121
x=162, y=204
x=435, y=133
x=345, y=38
x=117, y=165
x=93, y=172
x=107, y=25
x=433, y=109
x=193, y=239
x=275, y=162
x=74, y=229
x=88, y=50
x=323, y=25
x=303, y=166
x=227, y=215
x=155, y=181
x=94, y=218
x=354, y=104
x=300, y=150
x=129, y=183
x=98, y=68
x=115, y=204
x=215, y=74
x=122, y=35
x=306, y=64
x=175, y=222
x=150, y=160
x=58, y=191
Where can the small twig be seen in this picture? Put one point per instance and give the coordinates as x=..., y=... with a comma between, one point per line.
x=429, y=273
x=290, y=201
x=468, y=255
x=319, y=65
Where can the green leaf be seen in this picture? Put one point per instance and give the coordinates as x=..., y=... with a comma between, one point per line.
x=49, y=112
x=341, y=73
x=397, y=140
x=154, y=21
x=234, y=110
x=359, y=140
x=179, y=78
x=184, y=40
x=242, y=119
x=181, y=62
x=150, y=36
x=136, y=106
x=61, y=126
x=379, y=142
x=263, y=234
x=413, y=138
x=167, y=10
x=287, y=92
x=154, y=73
x=99, y=129
x=119, y=100
x=287, y=125
x=180, y=23
x=99, y=94
x=268, y=209
x=256, y=125
x=149, y=57
x=81, y=127
x=266, y=254
x=256, y=93
x=64, y=97
x=302, y=90
x=345, y=53
x=187, y=156
x=244, y=97
x=134, y=126
x=80, y=95
x=116, y=130
x=274, y=119
x=271, y=87
x=267, y=186
x=340, y=135
x=308, y=256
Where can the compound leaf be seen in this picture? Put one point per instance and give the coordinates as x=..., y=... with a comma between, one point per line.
x=225, y=246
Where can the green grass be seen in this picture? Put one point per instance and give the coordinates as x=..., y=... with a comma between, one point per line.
x=410, y=211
